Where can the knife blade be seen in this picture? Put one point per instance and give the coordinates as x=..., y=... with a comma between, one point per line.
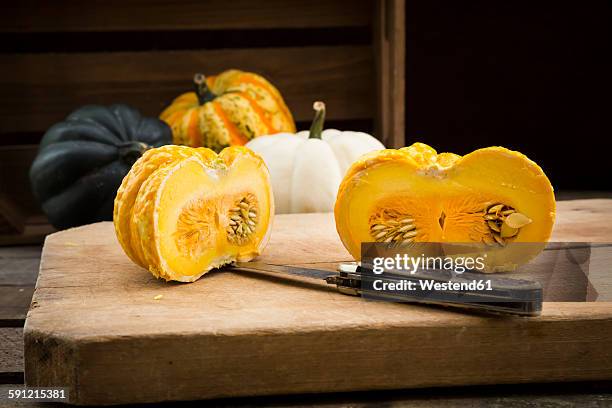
x=317, y=274
x=505, y=296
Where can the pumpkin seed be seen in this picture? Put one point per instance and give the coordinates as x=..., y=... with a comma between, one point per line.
x=503, y=222
x=406, y=228
x=242, y=220
x=380, y=234
x=507, y=231
x=499, y=239
x=410, y=234
x=391, y=228
x=495, y=209
x=517, y=220
x=493, y=225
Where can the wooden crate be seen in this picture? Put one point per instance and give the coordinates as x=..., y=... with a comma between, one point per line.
x=60, y=55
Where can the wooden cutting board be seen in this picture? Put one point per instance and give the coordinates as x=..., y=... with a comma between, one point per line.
x=95, y=327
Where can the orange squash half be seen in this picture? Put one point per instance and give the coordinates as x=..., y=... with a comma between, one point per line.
x=491, y=197
x=183, y=211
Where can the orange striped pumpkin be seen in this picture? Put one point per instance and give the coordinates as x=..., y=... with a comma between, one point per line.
x=227, y=109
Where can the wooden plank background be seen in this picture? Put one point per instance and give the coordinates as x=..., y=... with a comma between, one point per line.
x=118, y=15
x=150, y=80
x=390, y=40
x=62, y=55
x=43, y=77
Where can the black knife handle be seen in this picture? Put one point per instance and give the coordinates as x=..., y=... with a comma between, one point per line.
x=500, y=295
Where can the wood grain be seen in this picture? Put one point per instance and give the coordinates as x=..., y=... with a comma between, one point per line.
x=591, y=394
x=14, y=304
x=32, y=101
x=34, y=232
x=116, y=15
x=583, y=220
x=18, y=273
x=94, y=322
x=11, y=350
x=19, y=265
x=390, y=51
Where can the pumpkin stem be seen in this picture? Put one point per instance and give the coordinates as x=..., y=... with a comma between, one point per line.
x=201, y=89
x=129, y=152
x=316, y=129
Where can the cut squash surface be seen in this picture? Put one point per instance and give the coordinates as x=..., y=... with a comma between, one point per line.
x=492, y=196
x=183, y=211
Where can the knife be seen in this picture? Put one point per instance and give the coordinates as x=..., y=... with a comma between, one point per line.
x=495, y=295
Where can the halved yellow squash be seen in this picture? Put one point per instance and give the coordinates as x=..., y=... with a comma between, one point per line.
x=492, y=196
x=183, y=211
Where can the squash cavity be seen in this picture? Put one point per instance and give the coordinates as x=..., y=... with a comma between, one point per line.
x=492, y=196
x=195, y=212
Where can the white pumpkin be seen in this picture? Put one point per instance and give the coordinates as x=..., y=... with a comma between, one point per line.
x=306, y=168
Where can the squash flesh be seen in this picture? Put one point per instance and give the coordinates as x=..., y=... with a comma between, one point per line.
x=177, y=226
x=128, y=191
x=446, y=195
x=185, y=220
x=389, y=185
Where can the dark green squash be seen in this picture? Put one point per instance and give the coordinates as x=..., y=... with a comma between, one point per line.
x=82, y=161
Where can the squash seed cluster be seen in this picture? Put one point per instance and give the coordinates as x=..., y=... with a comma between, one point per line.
x=503, y=223
x=394, y=230
x=242, y=220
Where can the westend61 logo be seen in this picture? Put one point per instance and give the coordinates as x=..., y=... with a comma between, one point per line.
x=412, y=264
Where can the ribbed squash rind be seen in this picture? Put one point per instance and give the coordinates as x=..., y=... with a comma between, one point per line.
x=138, y=207
x=246, y=106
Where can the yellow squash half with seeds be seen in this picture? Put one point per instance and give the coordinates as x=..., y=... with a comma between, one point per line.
x=227, y=109
x=492, y=196
x=182, y=211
